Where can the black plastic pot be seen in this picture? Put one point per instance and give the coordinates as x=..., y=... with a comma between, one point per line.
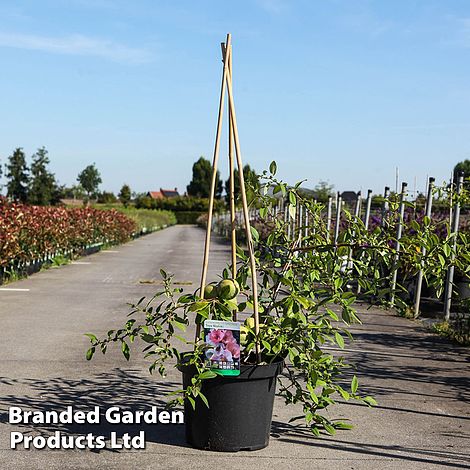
x=240, y=412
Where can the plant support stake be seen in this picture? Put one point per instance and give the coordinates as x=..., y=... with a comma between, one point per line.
x=450, y=269
x=397, y=246
x=385, y=207
x=368, y=204
x=215, y=160
x=419, y=281
x=328, y=216
x=338, y=216
x=249, y=238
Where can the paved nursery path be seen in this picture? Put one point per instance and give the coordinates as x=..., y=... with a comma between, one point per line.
x=420, y=381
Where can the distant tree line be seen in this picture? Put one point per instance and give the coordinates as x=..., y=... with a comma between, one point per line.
x=37, y=185
x=200, y=184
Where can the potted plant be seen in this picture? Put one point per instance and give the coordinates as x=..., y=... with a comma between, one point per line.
x=288, y=292
x=303, y=305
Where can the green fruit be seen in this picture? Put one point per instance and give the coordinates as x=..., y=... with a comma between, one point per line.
x=228, y=289
x=210, y=291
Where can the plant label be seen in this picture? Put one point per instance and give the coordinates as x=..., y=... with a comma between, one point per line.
x=222, y=353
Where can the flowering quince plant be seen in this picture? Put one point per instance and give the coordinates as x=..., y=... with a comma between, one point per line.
x=305, y=305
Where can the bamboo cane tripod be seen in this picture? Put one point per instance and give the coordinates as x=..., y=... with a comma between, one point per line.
x=233, y=140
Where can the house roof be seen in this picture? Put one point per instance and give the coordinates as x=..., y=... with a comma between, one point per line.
x=163, y=193
x=169, y=192
x=348, y=196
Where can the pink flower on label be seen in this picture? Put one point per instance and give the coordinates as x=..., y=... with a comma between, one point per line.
x=228, y=337
x=216, y=336
x=234, y=348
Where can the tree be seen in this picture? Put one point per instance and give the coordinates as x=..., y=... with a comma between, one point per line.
x=106, y=197
x=323, y=190
x=251, y=183
x=17, y=176
x=90, y=179
x=200, y=185
x=43, y=188
x=125, y=195
x=462, y=167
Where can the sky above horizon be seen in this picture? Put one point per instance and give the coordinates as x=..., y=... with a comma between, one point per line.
x=334, y=90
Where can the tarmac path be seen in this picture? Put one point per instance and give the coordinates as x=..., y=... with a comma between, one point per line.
x=422, y=383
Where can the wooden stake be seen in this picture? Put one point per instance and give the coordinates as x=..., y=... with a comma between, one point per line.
x=232, y=181
x=244, y=204
x=213, y=181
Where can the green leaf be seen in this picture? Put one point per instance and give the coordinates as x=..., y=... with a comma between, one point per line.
x=370, y=401
x=208, y=374
x=292, y=211
x=148, y=338
x=92, y=337
x=180, y=324
x=344, y=393
x=342, y=425
x=273, y=168
x=313, y=395
x=354, y=384
x=89, y=353
x=125, y=350
x=254, y=234
x=315, y=431
x=339, y=340
x=332, y=314
x=196, y=306
x=204, y=398
x=447, y=250
x=292, y=199
x=329, y=429
x=191, y=400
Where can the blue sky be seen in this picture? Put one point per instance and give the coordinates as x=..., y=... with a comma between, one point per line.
x=336, y=90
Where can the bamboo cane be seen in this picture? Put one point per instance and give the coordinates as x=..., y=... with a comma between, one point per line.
x=245, y=205
x=215, y=160
x=232, y=182
x=232, y=178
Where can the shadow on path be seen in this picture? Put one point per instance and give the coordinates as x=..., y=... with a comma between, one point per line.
x=124, y=388
x=298, y=434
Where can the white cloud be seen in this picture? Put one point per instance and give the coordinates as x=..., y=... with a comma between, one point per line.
x=76, y=45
